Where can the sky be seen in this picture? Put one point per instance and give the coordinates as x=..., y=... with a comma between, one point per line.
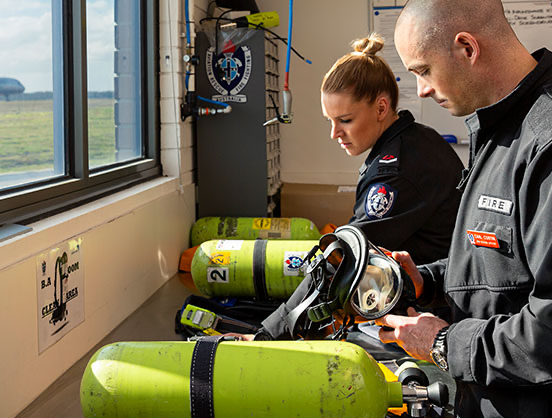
x=26, y=43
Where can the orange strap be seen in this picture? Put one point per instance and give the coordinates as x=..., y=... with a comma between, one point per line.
x=186, y=259
x=328, y=228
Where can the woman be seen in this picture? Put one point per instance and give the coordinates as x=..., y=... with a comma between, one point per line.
x=406, y=197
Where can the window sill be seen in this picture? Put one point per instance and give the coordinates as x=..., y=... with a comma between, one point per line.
x=57, y=229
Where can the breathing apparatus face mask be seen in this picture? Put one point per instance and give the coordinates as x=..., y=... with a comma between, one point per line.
x=378, y=290
x=366, y=282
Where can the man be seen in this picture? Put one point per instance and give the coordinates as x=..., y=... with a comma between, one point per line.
x=498, y=276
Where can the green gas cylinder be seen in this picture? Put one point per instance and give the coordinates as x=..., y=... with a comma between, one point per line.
x=209, y=228
x=248, y=379
x=260, y=269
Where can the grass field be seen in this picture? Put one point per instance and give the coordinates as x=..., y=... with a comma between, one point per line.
x=27, y=132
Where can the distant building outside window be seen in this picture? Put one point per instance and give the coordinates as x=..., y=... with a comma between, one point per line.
x=78, y=102
x=28, y=56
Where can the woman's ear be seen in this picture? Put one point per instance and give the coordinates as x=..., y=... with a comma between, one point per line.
x=467, y=46
x=383, y=105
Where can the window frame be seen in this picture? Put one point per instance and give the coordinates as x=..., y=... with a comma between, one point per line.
x=37, y=200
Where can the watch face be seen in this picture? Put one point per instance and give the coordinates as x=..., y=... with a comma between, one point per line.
x=261, y=336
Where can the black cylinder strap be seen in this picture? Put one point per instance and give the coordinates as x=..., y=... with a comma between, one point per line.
x=201, y=377
x=259, y=264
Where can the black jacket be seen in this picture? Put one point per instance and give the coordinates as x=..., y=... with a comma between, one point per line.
x=498, y=277
x=416, y=173
x=406, y=196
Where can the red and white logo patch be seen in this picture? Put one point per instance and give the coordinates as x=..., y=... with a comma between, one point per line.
x=386, y=159
x=483, y=239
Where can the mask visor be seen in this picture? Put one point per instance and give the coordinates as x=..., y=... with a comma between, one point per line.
x=379, y=289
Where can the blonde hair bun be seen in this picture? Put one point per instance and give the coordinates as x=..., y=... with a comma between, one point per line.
x=363, y=74
x=369, y=45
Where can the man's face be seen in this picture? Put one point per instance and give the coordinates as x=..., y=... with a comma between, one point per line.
x=440, y=75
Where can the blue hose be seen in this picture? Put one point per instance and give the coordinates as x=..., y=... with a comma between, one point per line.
x=189, y=43
x=187, y=80
x=290, y=27
x=188, y=40
x=187, y=17
x=212, y=101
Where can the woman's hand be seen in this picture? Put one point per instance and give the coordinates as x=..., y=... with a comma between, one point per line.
x=240, y=337
x=404, y=259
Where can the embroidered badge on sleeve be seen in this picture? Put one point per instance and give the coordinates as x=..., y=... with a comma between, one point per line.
x=379, y=201
x=387, y=159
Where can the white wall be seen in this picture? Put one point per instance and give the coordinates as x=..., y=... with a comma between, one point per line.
x=131, y=245
x=322, y=32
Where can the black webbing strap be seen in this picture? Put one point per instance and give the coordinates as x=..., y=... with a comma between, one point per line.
x=259, y=261
x=293, y=316
x=201, y=377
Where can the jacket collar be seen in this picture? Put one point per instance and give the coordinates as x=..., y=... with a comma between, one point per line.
x=487, y=116
x=404, y=121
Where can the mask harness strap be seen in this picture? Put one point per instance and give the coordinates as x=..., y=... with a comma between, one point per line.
x=320, y=274
x=341, y=333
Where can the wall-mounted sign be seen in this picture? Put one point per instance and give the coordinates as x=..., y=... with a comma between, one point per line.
x=60, y=290
x=229, y=72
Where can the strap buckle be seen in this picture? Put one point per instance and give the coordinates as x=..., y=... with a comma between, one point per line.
x=319, y=312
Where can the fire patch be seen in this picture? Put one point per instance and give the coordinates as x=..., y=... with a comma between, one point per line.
x=379, y=201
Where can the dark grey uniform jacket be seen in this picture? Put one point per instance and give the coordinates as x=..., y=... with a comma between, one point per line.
x=406, y=197
x=498, y=277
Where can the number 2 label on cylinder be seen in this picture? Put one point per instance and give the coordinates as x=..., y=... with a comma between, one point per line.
x=217, y=275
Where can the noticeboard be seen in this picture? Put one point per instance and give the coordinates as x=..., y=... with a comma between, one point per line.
x=531, y=21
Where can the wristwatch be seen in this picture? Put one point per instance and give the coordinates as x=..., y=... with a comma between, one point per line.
x=262, y=335
x=439, y=349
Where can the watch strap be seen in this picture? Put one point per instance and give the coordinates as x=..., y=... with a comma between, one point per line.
x=439, y=348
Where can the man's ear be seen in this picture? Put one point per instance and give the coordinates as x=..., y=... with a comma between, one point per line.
x=383, y=105
x=467, y=46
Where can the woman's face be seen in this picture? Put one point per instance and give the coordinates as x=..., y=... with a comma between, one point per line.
x=356, y=125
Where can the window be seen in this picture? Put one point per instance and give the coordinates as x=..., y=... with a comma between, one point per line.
x=78, y=103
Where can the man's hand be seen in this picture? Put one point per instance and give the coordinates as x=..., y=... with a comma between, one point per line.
x=414, y=333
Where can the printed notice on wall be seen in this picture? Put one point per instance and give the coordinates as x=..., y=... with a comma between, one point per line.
x=60, y=290
x=531, y=21
x=384, y=20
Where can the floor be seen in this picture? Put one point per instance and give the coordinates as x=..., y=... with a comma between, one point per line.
x=153, y=321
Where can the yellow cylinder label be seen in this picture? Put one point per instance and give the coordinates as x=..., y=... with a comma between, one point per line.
x=271, y=228
x=221, y=258
x=262, y=223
